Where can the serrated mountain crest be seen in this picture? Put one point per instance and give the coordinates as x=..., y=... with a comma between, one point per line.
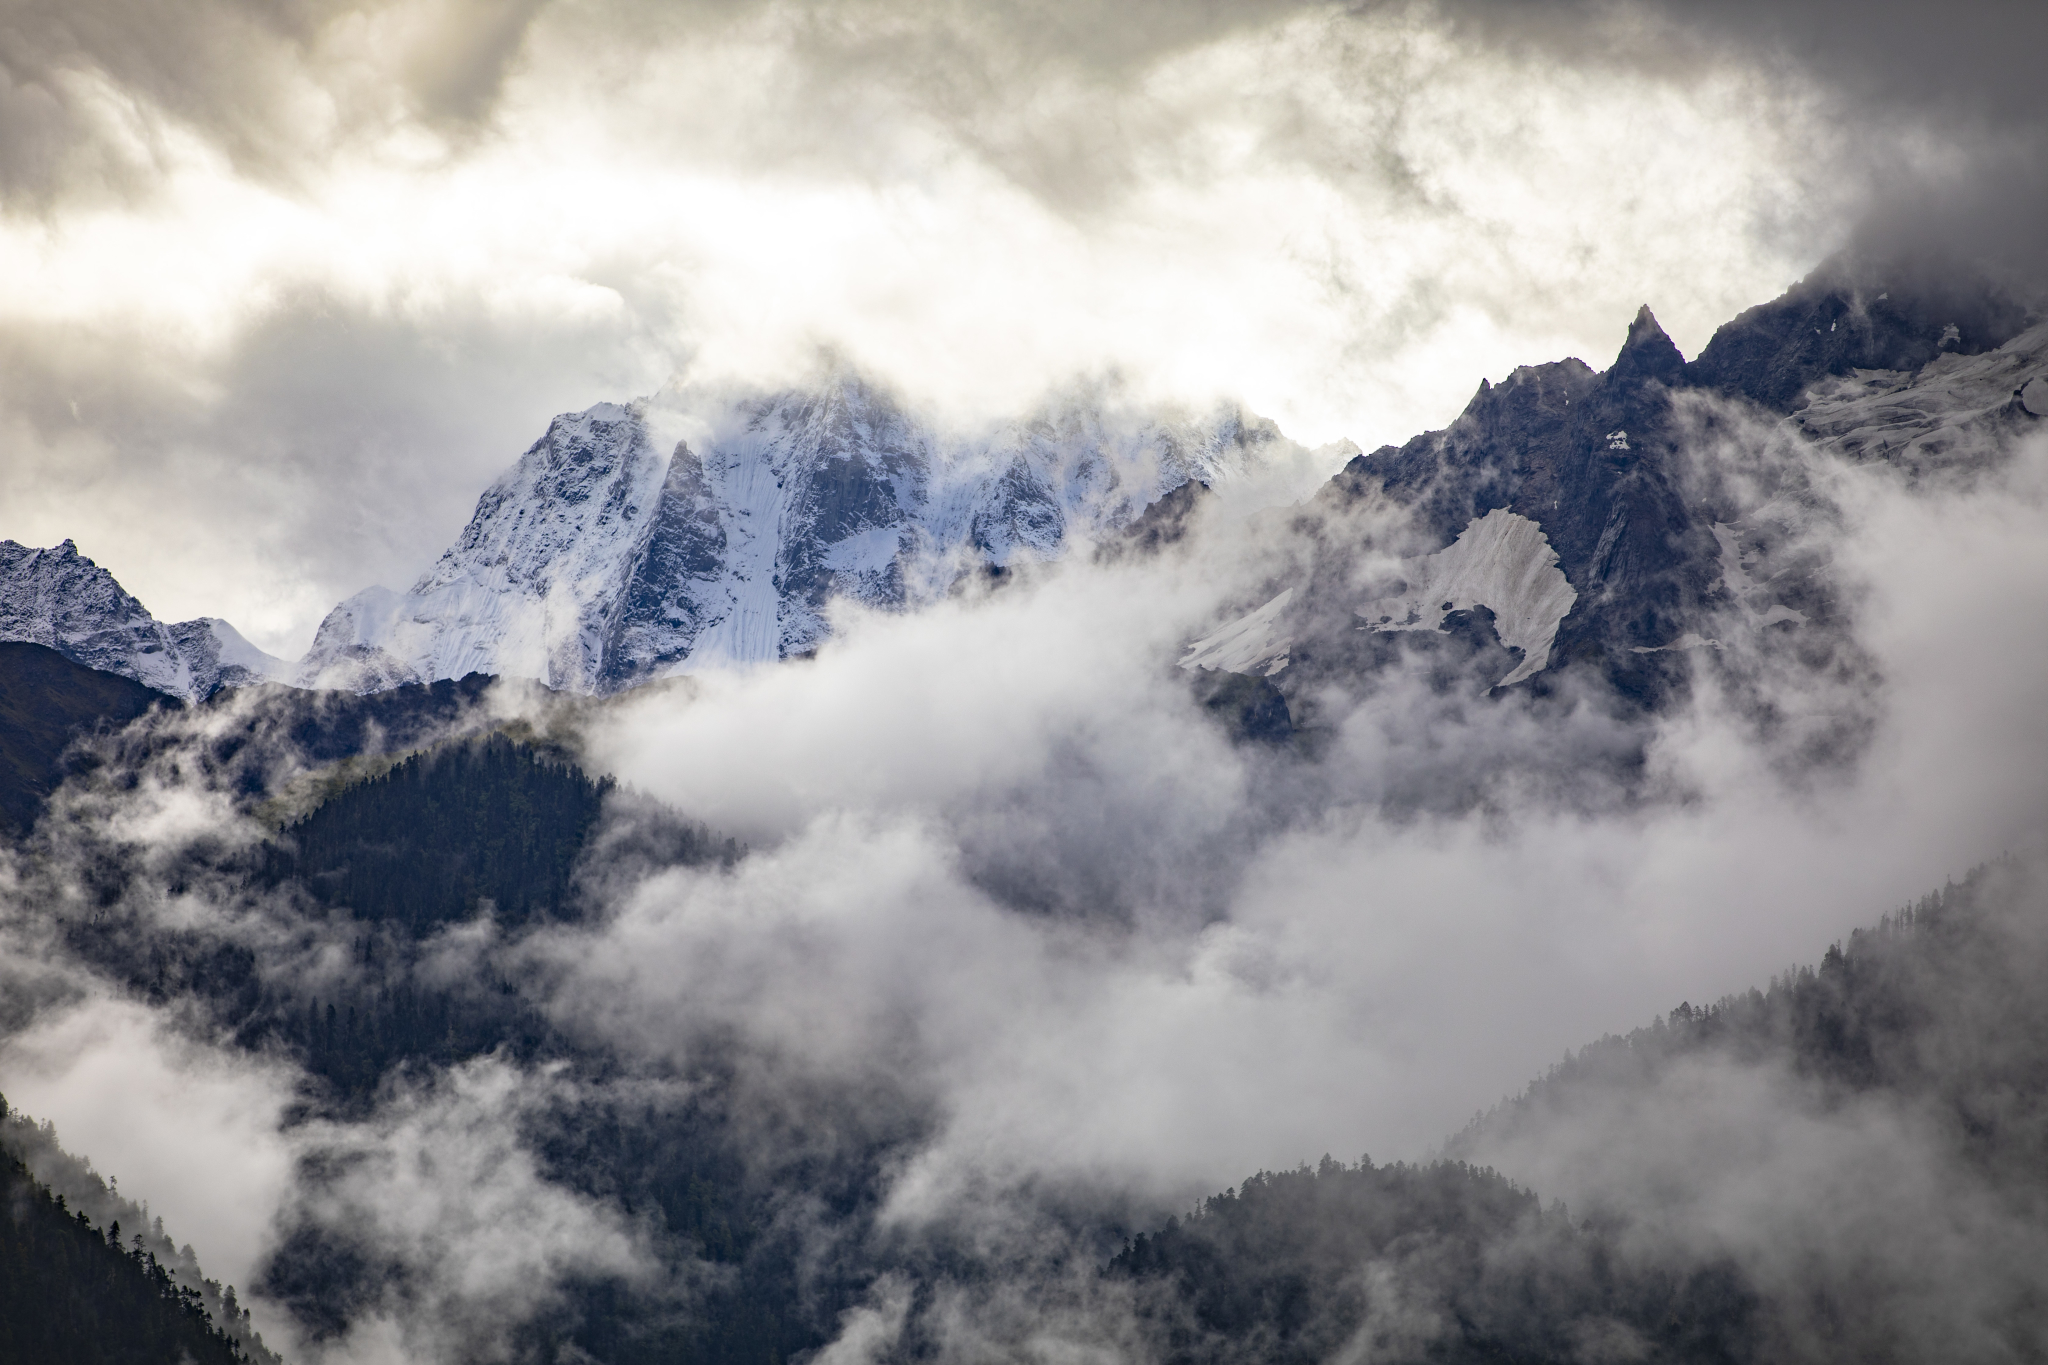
x=62, y=600
x=529, y=587
x=596, y=564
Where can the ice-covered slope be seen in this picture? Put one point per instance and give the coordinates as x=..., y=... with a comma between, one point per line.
x=60, y=599
x=1502, y=562
x=531, y=587
x=597, y=562
x=1256, y=642
x=1953, y=409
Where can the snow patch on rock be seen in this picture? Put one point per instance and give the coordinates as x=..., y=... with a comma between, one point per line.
x=1956, y=409
x=1257, y=642
x=1692, y=639
x=1501, y=561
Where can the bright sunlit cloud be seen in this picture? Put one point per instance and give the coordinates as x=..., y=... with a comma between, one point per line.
x=1344, y=221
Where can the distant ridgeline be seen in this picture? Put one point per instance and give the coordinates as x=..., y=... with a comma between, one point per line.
x=1561, y=524
x=1936, y=1015
x=76, y=1288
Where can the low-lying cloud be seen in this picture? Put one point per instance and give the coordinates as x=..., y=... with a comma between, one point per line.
x=1021, y=916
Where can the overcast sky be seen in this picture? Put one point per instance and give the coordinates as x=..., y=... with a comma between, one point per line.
x=284, y=285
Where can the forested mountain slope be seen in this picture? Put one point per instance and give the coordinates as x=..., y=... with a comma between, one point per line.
x=1851, y=1165
x=78, y=1289
x=385, y=952
x=1439, y=1262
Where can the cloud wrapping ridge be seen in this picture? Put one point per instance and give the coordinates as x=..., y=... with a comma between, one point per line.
x=353, y=257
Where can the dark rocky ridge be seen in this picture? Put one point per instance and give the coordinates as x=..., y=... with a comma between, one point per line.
x=1848, y=316
x=1597, y=460
x=661, y=611
x=1166, y=522
x=1589, y=457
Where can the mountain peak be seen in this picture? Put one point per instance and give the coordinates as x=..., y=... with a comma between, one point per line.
x=62, y=600
x=595, y=563
x=1649, y=353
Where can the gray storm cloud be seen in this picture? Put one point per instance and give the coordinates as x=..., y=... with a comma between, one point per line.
x=1942, y=113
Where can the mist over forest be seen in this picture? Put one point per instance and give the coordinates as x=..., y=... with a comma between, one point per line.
x=1230, y=879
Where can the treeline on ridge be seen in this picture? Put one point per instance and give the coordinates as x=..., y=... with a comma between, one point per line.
x=75, y=1293
x=1937, y=1010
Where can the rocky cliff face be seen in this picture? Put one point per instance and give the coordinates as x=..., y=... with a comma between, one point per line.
x=1589, y=461
x=63, y=601
x=531, y=586
x=598, y=563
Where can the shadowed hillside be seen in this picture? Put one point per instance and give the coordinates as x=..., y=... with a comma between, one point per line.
x=46, y=702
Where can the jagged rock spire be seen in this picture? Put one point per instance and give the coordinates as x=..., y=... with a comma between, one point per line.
x=1648, y=353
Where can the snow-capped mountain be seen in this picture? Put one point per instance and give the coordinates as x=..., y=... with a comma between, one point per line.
x=598, y=562
x=1954, y=408
x=60, y=599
